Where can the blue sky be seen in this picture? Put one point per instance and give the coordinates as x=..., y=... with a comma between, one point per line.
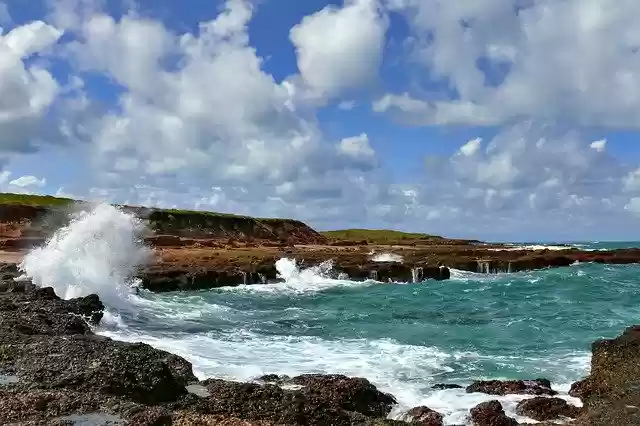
x=493, y=120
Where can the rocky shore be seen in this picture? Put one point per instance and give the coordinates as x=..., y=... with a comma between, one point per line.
x=54, y=370
x=200, y=250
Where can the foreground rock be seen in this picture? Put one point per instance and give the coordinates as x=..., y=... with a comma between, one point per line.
x=424, y=416
x=611, y=392
x=491, y=413
x=54, y=369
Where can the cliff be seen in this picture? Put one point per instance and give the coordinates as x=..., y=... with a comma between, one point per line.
x=31, y=218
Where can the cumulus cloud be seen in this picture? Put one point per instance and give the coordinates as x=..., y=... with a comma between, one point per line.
x=27, y=181
x=198, y=122
x=569, y=60
x=27, y=89
x=198, y=112
x=340, y=48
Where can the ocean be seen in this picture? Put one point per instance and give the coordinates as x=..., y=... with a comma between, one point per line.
x=403, y=337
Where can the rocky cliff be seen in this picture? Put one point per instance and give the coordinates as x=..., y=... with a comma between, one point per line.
x=31, y=222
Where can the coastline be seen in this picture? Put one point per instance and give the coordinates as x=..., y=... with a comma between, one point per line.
x=133, y=383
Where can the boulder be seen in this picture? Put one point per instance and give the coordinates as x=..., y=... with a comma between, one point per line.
x=541, y=409
x=268, y=403
x=491, y=413
x=424, y=416
x=349, y=393
x=91, y=363
x=518, y=387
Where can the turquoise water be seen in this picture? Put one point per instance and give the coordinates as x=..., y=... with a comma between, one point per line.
x=402, y=337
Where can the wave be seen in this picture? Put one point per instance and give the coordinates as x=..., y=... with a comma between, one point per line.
x=532, y=247
x=97, y=252
x=386, y=257
x=297, y=280
x=101, y=248
x=406, y=371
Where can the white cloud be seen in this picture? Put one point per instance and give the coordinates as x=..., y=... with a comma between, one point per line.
x=471, y=147
x=356, y=146
x=27, y=181
x=26, y=91
x=634, y=205
x=198, y=122
x=340, y=48
x=599, y=146
x=548, y=61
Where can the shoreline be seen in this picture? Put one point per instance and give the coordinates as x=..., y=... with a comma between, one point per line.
x=198, y=266
x=136, y=383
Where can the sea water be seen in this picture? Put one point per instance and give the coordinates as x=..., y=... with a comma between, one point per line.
x=403, y=337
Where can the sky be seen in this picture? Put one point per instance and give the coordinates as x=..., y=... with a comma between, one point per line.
x=493, y=119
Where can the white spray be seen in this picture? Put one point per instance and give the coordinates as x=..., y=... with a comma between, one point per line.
x=97, y=252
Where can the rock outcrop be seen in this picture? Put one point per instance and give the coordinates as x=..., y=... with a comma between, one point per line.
x=54, y=369
x=541, y=409
x=491, y=413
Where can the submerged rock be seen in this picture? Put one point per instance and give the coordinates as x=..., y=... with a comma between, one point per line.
x=540, y=408
x=491, y=413
x=442, y=386
x=518, y=387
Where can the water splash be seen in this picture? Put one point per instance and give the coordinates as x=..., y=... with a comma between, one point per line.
x=387, y=257
x=300, y=280
x=97, y=252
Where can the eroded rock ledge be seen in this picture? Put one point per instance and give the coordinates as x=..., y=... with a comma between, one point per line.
x=54, y=370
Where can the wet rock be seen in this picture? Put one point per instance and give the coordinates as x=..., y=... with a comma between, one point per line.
x=540, y=408
x=349, y=393
x=274, y=378
x=90, y=307
x=441, y=386
x=491, y=413
x=137, y=371
x=424, y=416
x=518, y=387
x=36, y=313
x=250, y=401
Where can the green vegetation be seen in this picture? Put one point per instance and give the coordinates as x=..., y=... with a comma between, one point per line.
x=51, y=201
x=34, y=200
x=377, y=236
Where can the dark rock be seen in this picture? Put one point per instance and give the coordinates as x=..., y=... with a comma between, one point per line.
x=540, y=408
x=441, y=386
x=491, y=413
x=152, y=416
x=90, y=307
x=137, y=371
x=271, y=403
x=349, y=393
x=32, y=314
x=518, y=387
x=273, y=378
x=424, y=416
x=580, y=389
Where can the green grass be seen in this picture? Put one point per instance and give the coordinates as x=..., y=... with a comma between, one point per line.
x=377, y=236
x=34, y=200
